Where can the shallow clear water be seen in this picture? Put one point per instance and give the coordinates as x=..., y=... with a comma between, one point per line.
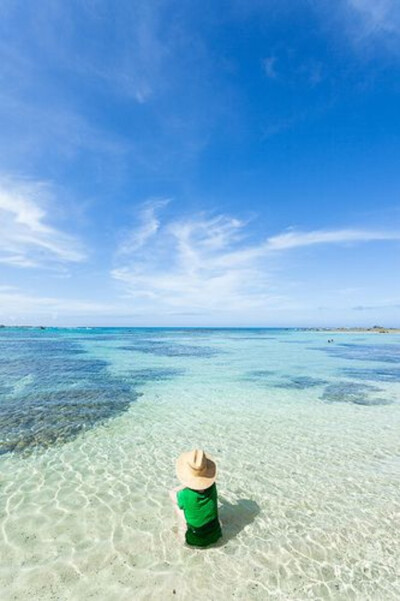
x=305, y=435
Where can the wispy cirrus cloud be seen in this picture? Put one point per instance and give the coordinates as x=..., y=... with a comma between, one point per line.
x=66, y=70
x=377, y=16
x=391, y=305
x=26, y=238
x=149, y=224
x=130, y=61
x=182, y=267
x=294, y=239
x=206, y=262
x=366, y=23
x=269, y=67
x=21, y=306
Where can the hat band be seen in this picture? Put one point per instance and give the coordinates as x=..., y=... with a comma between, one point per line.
x=198, y=470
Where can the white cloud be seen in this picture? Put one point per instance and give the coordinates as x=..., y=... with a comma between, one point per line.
x=269, y=66
x=368, y=24
x=26, y=238
x=293, y=239
x=202, y=265
x=206, y=263
x=149, y=225
x=16, y=304
x=134, y=52
x=183, y=267
x=130, y=43
x=377, y=16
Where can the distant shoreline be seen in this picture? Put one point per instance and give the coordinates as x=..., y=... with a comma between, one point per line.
x=323, y=330
x=355, y=330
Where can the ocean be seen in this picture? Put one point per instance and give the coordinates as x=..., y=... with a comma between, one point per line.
x=305, y=434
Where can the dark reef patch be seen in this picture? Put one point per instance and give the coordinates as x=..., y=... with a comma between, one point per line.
x=5, y=389
x=272, y=378
x=260, y=375
x=255, y=337
x=96, y=337
x=294, y=341
x=53, y=392
x=300, y=382
x=352, y=392
x=168, y=349
x=142, y=376
x=50, y=369
x=43, y=419
x=386, y=353
x=382, y=374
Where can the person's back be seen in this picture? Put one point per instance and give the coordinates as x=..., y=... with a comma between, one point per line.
x=201, y=514
x=197, y=499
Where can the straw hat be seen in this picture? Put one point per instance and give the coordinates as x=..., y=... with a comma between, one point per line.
x=196, y=470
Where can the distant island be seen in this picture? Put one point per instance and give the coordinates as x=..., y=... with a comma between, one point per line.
x=373, y=330
x=24, y=327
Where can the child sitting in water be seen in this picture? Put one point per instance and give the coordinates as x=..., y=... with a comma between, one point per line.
x=196, y=501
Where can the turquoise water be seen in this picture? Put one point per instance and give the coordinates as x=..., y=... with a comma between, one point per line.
x=305, y=434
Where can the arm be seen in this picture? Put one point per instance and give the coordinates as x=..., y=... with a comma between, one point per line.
x=172, y=494
x=179, y=512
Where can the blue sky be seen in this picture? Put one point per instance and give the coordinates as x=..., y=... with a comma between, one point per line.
x=200, y=163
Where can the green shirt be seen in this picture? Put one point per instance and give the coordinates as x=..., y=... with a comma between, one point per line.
x=200, y=509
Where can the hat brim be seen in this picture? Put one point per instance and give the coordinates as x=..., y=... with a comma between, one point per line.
x=185, y=474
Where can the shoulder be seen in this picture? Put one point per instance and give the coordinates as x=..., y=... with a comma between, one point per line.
x=181, y=496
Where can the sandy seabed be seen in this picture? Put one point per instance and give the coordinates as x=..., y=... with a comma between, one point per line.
x=309, y=501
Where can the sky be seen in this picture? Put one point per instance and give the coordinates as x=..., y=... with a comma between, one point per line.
x=214, y=163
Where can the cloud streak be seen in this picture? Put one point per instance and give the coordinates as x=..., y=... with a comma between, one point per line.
x=293, y=239
x=182, y=268
x=26, y=238
x=19, y=306
x=367, y=23
x=269, y=66
x=205, y=263
x=378, y=16
x=149, y=225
